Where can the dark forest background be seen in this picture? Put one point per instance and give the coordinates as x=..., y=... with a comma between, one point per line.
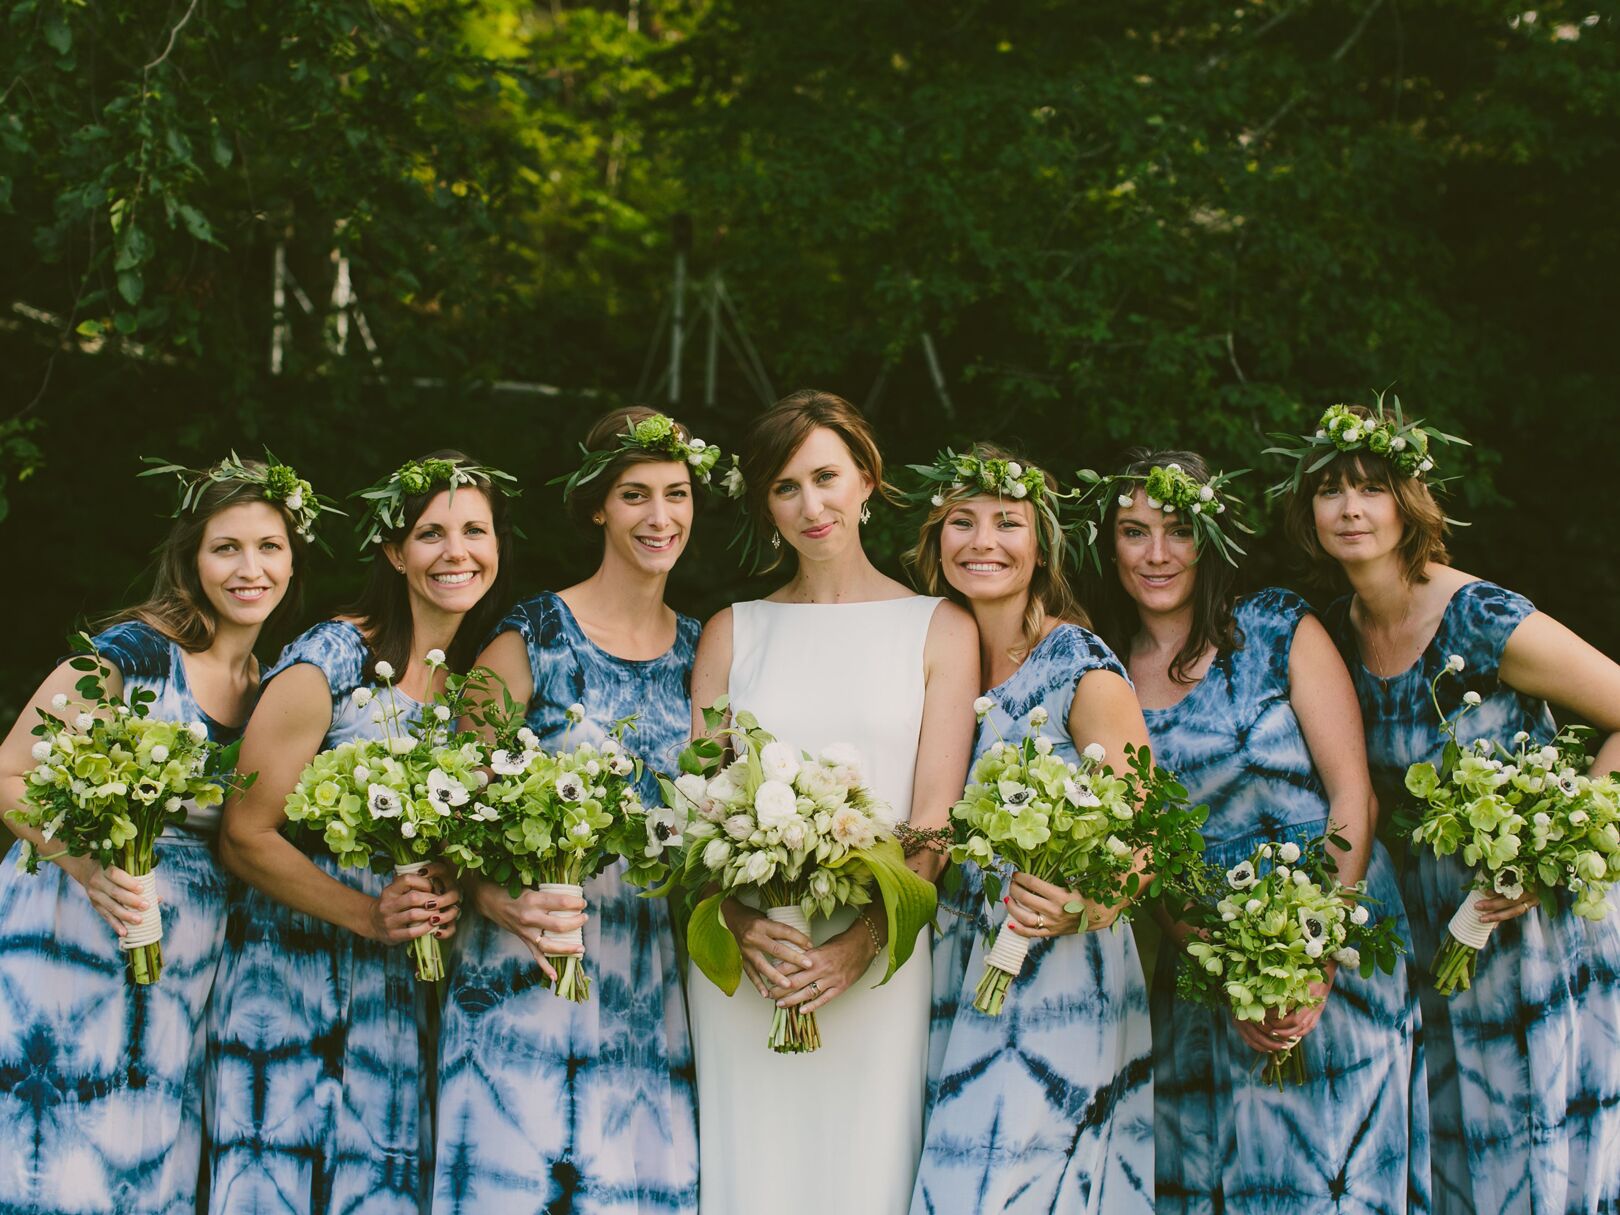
x=1063, y=224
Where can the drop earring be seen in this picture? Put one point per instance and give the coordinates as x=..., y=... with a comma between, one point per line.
x=776, y=539
x=866, y=512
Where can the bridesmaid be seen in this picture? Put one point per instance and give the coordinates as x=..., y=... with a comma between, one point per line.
x=316, y=1050
x=1048, y=1107
x=547, y=1104
x=101, y=1080
x=1249, y=703
x=1524, y=1067
x=840, y=654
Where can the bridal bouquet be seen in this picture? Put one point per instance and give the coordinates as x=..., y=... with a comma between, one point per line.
x=1529, y=818
x=109, y=781
x=386, y=802
x=548, y=820
x=1077, y=825
x=1282, y=919
x=801, y=835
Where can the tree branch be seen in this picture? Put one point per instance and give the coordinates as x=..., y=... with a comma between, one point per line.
x=174, y=34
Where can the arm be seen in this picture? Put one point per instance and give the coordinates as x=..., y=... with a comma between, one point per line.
x=1104, y=711
x=711, y=667
x=284, y=733
x=113, y=893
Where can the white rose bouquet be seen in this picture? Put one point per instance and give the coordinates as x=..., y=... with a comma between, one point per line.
x=108, y=781
x=1076, y=825
x=548, y=820
x=386, y=803
x=1284, y=916
x=800, y=833
x=1530, y=818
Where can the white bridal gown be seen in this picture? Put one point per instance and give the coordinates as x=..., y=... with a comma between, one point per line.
x=837, y=1131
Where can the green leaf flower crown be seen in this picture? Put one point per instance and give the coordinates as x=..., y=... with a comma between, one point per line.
x=281, y=484
x=385, y=501
x=1173, y=490
x=659, y=434
x=953, y=472
x=1405, y=444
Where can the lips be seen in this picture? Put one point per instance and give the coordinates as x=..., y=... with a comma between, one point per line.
x=247, y=594
x=657, y=544
x=457, y=578
x=983, y=567
x=818, y=532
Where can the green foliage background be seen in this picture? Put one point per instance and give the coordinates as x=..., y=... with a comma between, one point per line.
x=1178, y=222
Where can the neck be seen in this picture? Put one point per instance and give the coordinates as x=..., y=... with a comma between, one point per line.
x=1001, y=629
x=622, y=595
x=232, y=647
x=1163, y=632
x=846, y=577
x=1381, y=589
x=431, y=629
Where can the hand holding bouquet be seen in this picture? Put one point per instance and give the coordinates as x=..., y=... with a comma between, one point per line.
x=550, y=820
x=1283, y=918
x=800, y=833
x=1526, y=819
x=1076, y=825
x=109, y=781
x=385, y=803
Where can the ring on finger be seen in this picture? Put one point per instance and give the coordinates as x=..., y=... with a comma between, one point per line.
x=815, y=988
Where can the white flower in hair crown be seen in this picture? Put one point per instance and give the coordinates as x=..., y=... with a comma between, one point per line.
x=385, y=501
x=1173, y=490
x=661, y=435
x=280, y=482
x=1383, y=432
x=966, y=473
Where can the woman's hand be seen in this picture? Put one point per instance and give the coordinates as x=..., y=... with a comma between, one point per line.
x=114, y=894
x=1499, y=910
x=1279, y=1033
x=830, y=969
x=415, y=904
x=531, y=914
x=1035, y=908
x=770, y=951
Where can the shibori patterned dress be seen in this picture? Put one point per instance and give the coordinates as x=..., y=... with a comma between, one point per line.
x=1048, y=1107
x=101, y=1080
x=1524, y=1067
x=546, y=1104
x=320, y=1063
x=1354, y=1136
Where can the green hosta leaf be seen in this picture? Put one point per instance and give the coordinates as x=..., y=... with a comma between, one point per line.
x=712, y=947
x=909, y=900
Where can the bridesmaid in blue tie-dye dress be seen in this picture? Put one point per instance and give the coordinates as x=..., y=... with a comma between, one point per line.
x=1249, y=704
x=1524, y=1067
x=546, y=1104
x=101, y=1080
x=1048, y=1107
x=321, y=1046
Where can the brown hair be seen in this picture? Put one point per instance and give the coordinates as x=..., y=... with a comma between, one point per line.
x=605, y=433
x=177, y=606
x=1214, y=587
x=1424, y=524
x=1050, y=594
x=779, y=432
x=383, y=609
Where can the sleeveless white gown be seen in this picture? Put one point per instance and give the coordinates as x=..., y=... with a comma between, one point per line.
x=837, y=1131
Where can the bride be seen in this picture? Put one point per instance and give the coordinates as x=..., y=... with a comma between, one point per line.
x=841, y=653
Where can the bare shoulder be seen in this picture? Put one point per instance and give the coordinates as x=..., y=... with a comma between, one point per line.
x=952, y=628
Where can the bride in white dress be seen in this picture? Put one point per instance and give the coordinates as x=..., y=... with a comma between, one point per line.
x=842, y=653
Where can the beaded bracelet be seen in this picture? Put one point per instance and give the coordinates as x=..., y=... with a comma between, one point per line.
x=871, y=928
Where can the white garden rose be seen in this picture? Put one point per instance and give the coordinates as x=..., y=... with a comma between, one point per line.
x=779, y=762
x=775, y=805
x=692, y=787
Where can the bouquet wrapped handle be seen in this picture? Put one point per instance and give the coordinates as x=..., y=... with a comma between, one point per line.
x=425, y=951
x=572, y=981
x=574, y=936
x=793, y=1032
x=1466, y=927
x=1009, y=951
x=150, y=929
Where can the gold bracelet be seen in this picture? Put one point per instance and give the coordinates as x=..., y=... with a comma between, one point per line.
x=871, y=928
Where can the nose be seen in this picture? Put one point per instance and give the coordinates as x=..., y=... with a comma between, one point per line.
x=658, y=513
x=1351, y=503
x=455, y=546
x=1158, y=547
x=984, y=536
x=810, y=503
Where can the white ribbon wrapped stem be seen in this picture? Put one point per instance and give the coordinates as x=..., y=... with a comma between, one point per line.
x=1008, y=952
x=793, y=917
x=574, y=936
x=1466, y=927
x=150, y=929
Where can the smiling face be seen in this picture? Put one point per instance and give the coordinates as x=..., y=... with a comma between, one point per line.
x=988, y=549
x=450, y=555
x=1357, y=518
x=815, y=500
x=647, y=515
x=1154, y=556
x=245, y=562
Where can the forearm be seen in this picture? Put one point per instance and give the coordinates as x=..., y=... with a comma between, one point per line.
x=265, y=860
x=1350, y=818
x=1608, y=756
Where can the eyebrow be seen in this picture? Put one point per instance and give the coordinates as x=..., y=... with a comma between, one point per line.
x=645, y=486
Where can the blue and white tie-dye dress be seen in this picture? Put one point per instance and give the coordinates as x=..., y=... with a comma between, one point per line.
x=1524, y=1067
x=319, y=1062
x=101, y=1080
x=1354, y=1136
x=1048, y=1107
x=545, y=1104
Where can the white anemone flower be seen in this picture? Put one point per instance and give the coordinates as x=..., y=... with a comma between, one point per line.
x=1242, y=876
x=1080, y=794
x=570, y=788
x=663, y=830
x=446, y=791
x=382, y=801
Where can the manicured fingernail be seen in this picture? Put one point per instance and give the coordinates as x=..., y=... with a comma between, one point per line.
x=434, y=920
x=431, y=904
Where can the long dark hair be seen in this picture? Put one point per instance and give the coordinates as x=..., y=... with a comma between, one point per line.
x=383, y=609
x=1214, y=589
x=177, y=606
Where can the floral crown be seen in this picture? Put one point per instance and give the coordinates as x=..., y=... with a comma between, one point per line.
x=658, y=434
x=1387, y=433
x=1173, y=490
x=385, y=501
x=953, y=472
x=281, y=484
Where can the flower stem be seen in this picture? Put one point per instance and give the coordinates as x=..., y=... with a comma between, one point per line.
x=145, y=963
x=992, y=992
x=1283, y=1068
x=794, y=1032
x=1454, y=966
x=572, y=981
x=428, y=959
